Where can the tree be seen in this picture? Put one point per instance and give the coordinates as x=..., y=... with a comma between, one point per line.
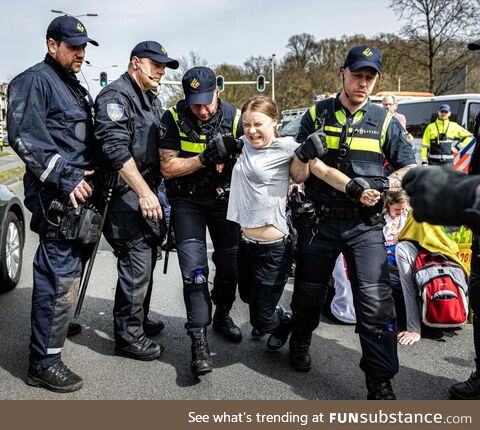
x=438, y=31
x=301, y=48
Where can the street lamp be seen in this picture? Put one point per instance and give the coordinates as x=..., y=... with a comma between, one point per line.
x=75, y=15
x=273, y=77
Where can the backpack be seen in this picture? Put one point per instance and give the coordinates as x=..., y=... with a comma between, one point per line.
x=442, y=289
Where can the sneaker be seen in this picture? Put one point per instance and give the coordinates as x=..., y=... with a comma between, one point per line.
x=57, y=378
x=468, y=390
x=143, y=349
x=380, y=390
x=279, y=337
x=257, y=334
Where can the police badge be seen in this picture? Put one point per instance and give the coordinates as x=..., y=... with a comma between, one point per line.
x=162, y=130
x=115, y=111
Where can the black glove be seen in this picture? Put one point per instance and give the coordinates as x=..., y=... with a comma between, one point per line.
x=315, y=146
x=380, y=184
x=356, y=187
x=221, y=148
x=205, y=159
x=442, y=196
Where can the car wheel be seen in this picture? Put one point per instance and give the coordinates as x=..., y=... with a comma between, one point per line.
x=11, y=252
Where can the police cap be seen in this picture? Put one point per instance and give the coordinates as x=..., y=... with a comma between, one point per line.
x=199, y=85
x=69, y=30
x=363, y=56
x=154, y=51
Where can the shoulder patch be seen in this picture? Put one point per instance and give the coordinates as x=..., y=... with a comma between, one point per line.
x=162, y=130
x=115, y=111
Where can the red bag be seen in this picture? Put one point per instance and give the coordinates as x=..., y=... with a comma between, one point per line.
x=443, y=290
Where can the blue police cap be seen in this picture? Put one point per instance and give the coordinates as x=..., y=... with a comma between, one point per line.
x=154, y=51
x=69, y=30
x=445, y=107
x=363, y=56
x=199, y=85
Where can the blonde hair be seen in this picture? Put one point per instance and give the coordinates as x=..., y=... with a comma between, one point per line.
x=262, y=104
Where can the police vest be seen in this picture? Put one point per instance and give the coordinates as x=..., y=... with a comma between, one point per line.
x=441, y=144
x=194, y=143
x=355, y=147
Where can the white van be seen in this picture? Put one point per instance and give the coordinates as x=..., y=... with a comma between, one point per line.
x=422, y=111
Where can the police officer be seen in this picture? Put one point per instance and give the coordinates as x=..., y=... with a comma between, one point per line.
x=49, y=126
x=438, y=138
x=198, y=191
x=127, y=116
x=359, y=136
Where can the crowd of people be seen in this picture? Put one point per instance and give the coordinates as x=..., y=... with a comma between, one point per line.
x=227, y=171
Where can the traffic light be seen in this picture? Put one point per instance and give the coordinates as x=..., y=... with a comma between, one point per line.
x=260, y=83
x=103, y=79
x=220, y=83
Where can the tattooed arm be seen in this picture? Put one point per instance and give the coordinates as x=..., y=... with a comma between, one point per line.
x=173, y=166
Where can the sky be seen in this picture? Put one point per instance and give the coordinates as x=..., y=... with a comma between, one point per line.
x=219, y=31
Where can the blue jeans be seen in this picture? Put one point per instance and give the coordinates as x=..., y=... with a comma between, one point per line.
x=262, y=274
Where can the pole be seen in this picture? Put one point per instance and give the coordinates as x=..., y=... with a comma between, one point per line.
x=273, y=77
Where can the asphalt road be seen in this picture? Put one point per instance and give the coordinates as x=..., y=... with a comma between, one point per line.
x=242, y=371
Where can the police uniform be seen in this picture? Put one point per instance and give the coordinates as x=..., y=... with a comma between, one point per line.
x=200, y=200
x=358, y=145
x=438, y=139
x=50, y=128
x=126, y=127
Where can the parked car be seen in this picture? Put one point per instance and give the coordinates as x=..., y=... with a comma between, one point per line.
x=12, y=237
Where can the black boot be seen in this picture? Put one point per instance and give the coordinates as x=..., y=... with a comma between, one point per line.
x=379, y=389
x=201, y=361
x=223, y=323
x=299, y=356
x=74, y=329
x=151, y=327
x=468, y=390
x=58, y=378
x=143, y=349
x=279, y=337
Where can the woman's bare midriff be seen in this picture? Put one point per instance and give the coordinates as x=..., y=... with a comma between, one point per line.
x=267, y=232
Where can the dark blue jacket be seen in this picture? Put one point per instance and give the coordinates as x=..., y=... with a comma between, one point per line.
x=126, y=126
x=50, y=128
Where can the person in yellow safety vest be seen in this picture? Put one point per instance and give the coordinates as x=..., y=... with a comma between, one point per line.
x=439, y=136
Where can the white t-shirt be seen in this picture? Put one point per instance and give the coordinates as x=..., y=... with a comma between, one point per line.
x=259, y=186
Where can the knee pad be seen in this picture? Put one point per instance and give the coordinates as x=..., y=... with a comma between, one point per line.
x=192, y=255
x=225, y=261
x=307, y=294
x=375, y=308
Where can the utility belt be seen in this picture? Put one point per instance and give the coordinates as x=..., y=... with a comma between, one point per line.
x=81, y=224
x=177, y=189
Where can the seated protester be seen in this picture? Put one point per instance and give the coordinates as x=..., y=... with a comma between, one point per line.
x=258, y=195
x=395, y=214
x=414, y=237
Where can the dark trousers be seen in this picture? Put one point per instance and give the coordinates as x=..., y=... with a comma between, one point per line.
x=135, y=266
x=57, y=269
x=191, y=218
x=444, y=163
x=365, y=254
x=474, y=294
x=262, y=274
